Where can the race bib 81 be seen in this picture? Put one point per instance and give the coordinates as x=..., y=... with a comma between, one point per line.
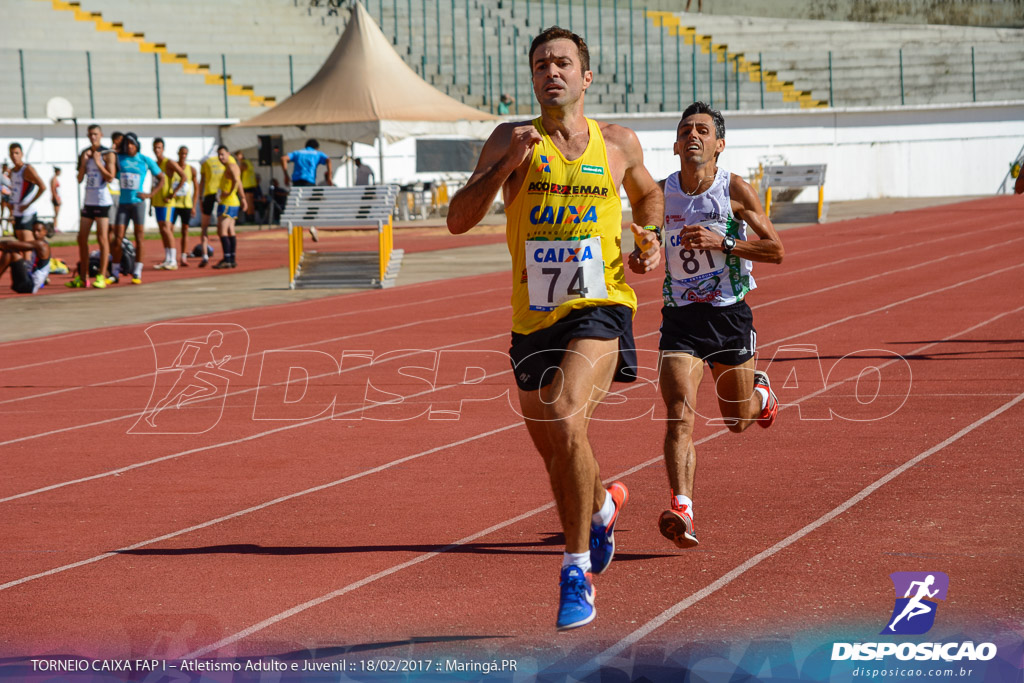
x=690, y=264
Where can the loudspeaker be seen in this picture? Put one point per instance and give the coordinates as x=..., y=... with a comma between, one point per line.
x=270, y=150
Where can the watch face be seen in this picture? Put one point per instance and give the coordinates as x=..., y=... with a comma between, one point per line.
x=729, y=243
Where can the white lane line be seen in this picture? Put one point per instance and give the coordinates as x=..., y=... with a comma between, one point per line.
x=332, y=340
x=317, y=601
x=270, y=621
x=295, y=321
x=251, y=437
x=732, y=575
x=254, y=508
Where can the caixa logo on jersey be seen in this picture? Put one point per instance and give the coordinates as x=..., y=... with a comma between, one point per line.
x=550, y=215
x=563, y=254
x=916, y=605
x=194, y=368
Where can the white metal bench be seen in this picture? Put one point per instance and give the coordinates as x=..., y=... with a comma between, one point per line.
x=793, y=177
x=340, y=208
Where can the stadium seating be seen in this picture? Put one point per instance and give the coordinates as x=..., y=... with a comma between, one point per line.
x=645, y=58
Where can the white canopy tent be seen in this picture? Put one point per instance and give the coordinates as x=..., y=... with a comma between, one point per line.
x=363, y=92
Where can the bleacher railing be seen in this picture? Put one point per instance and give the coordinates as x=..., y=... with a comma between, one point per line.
x=663, y=67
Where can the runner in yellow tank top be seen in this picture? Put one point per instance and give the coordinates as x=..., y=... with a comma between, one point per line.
x=163, y=205
x=572, y=310
x=563, y=201
x=210, y=173
x=229, y=202
x=185, y=192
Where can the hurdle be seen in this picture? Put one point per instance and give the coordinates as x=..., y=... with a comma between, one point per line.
x=342, y=208
x=794, y=177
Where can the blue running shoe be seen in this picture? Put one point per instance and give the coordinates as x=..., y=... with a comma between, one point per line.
x=576, y=599
x=602, y=538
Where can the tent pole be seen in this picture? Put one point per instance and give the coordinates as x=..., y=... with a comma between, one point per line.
x=380, y=152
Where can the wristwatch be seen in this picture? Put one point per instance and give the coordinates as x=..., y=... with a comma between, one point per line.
x=728, y=244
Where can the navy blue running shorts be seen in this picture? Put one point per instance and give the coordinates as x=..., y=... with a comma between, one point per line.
x=534, y=356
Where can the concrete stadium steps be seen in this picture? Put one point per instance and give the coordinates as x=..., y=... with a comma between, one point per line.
x=258, y=36
x=865, y=58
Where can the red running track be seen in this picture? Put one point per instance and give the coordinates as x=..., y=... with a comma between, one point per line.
x=396, y=529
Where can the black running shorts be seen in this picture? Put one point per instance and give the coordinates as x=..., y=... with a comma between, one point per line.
x=92, y=211
x=183, y=215
x=717, y=334
x=209, y=201
x=21, y=277
x=534, y=356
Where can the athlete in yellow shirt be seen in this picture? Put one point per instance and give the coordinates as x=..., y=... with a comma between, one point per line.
x=230, y=199
x=185, y=191
x=162, y=202
x=248, y=184
x=210, y=173
x=560, y=176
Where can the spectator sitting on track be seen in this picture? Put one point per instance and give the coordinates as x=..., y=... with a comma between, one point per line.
x=29, y=261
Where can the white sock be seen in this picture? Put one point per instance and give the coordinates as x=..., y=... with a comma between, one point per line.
x=581, y=560
x=603, y=516
x=173, y=256
x=116, y=269
x=138, y=269
x=685, y=501
x=167, y=254
x=764, y=396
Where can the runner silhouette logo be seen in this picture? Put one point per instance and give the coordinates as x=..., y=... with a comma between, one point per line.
x=917, y=596
x=195, y=365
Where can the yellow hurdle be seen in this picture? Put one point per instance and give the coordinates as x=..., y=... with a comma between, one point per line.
x=294, y=252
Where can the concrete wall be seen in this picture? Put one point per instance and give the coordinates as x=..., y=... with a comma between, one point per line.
x=928, y=151
x=931, y=151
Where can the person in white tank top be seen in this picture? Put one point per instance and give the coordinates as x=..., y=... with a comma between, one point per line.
x=705, y=318
x=26, y=188
x=97, y=167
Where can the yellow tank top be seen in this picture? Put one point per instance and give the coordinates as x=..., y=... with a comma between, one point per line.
x=183, y=197
x=248, y=174
x=213, y=170
x=225, y=184
x=162, y=194
x=564, y=232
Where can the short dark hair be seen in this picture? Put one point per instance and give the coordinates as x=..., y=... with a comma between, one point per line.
x=704, y=108
x=312, y=143
x=95, y=126
x=559, y=33
x=160, y=140
x=14, y=145
x=116, y=134
x=223, y=147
